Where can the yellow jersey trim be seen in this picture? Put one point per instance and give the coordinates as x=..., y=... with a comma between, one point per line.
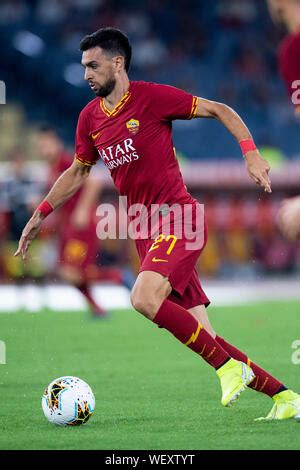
x=83, y=162
x=194, y=107
x=117, y=108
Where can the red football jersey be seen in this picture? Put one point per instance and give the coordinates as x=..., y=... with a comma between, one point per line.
x=289, y=63
x=134, y=141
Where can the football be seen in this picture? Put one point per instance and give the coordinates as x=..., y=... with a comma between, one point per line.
x=68, y=401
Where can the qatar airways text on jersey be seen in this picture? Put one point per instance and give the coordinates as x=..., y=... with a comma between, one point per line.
x=120, y=154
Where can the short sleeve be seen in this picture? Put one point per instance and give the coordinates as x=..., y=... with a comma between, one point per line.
x=85, y=151
x=169, y=103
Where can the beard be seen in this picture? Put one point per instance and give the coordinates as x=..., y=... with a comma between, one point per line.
x=107, y=88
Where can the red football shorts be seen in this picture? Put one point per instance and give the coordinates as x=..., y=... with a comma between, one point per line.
x=170, y=257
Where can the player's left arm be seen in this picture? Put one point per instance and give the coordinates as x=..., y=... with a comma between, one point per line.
x=257, y=167
x=69, y=182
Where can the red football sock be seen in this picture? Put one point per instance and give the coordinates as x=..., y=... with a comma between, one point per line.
x=96, y=309
x=188, y=330
x=263, y=381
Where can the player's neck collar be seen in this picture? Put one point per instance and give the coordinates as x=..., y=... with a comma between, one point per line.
x=118, y=106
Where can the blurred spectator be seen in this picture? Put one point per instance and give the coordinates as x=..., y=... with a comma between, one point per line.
x=236, y=12
x=55, y=11
x=20, y=193
x=13, y=11
x=149, y=51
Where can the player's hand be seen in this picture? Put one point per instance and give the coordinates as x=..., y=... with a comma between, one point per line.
x=289, y=218
x=80, y=218
x=258, y=169
x=30, y=231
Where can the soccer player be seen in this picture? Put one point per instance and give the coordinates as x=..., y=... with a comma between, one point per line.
x=287, y=13
x=77, y=243
x=129, y=126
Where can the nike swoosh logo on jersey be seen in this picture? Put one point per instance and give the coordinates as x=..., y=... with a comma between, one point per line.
x=158, y=260
x=94, y=136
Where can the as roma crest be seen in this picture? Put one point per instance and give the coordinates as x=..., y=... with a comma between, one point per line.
x=133, y=126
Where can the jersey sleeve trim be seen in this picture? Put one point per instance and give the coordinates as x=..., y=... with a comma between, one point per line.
x=194, y=107
x=83, y=162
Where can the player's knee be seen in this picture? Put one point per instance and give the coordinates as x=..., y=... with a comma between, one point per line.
x=148, y=293
x=146, y=304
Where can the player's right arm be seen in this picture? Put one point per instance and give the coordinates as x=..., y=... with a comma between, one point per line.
x=69, y=182
x=63, y=189
x=169, y=103
x=66, y=185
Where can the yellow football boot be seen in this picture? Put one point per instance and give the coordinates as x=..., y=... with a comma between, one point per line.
x=287, y=405
x=234, y=377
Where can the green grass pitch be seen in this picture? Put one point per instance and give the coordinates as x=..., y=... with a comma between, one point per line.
x=151, y=392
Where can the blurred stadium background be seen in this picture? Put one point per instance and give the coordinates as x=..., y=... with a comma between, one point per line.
x=223, y=50
x=150, y=392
